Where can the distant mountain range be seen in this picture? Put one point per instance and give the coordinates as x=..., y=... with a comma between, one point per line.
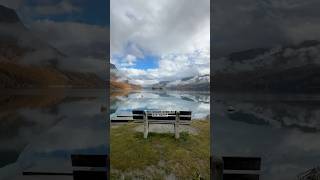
x=294, y=68
x=195, y=83
x=29, y=62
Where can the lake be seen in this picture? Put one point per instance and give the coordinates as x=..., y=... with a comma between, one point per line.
x=39, y=130
x=197, y=102
x=284, y=130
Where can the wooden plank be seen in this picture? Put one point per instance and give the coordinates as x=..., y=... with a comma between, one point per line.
x=164, y=122
x=185, y=118
x=173, y=118
x=123, y=116
x=138, y=117
x=89, y=160
x=27, y=173
x=185, y=113
x=137, y=112
x=240, y=177
x=146, y=127
x=120, y=121
x=242, y=163
x=216, y=166
x=90, y=175
x=176, y=126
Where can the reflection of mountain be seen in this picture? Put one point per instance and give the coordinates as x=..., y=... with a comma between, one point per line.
x=26, y=61
x=293, y=68
x=21, y=121
x=196, y=83
x=290, y=114
x=196, y=102
x=119, y=81
x=26, y=117
x=274, y=127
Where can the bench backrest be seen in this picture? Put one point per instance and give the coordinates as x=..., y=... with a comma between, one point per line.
x=89, y=161
x=241, y=168
x=161, y=116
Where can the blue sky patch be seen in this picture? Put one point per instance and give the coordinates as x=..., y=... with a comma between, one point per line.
x=148, y=62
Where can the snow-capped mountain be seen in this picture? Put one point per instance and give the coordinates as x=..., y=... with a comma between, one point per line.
x=200, y=83
x=293, y=68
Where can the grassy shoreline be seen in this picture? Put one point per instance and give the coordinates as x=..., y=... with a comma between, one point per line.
x=161, y=155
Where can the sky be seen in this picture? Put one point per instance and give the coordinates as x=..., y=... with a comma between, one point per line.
x=153, y=41
x=77, y=28
x=241, y=25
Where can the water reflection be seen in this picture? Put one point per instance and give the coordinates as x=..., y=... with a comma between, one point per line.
x=197, y=102
x=39, y=131
x=283, y=130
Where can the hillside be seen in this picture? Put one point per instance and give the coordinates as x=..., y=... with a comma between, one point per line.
x=119, y=81
x=28, y=62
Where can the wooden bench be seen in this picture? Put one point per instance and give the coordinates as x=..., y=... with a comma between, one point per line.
x=236, y=168
x=85, y=167
x=161, y=117
x=88, y=167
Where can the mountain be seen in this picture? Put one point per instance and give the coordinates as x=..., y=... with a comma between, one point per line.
x=29, y=62
x=195, y=83
x=8, y=15
x=294, y=68
x=160, y=85
x=119, y=81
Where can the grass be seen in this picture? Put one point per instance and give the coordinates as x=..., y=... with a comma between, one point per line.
x=161, y=155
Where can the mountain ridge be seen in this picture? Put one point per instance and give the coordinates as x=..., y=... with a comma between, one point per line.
x=29, y=62
x=292, y=68
x=194, y=83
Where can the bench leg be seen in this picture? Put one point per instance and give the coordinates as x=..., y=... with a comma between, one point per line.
x=176, y=130
x=146, y=129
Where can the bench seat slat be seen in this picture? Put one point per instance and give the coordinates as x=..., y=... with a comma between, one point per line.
x=138, y=117
x=240, y=176
x=164, y=122
x=162, y=118
x=89, y=160
x=185, y=113
x=242, y=163
x=86, y=175
x=185, y=118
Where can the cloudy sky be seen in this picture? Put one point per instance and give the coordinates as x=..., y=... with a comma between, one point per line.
x=77, y=28
x=240, y=25
x=154, y=41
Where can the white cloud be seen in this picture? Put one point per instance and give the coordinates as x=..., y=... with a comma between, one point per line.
x=178, y=32
x=128, y=61
x=171, y=67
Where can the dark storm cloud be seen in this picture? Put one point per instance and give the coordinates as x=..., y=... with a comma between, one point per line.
x=240, y=25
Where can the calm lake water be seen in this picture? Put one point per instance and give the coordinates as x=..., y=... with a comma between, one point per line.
x=284, y=130
x=40, y=130
x=197, y=102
